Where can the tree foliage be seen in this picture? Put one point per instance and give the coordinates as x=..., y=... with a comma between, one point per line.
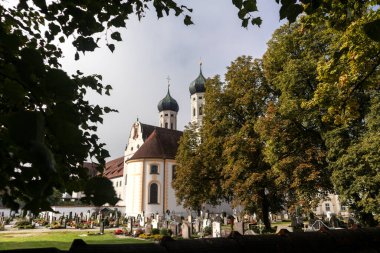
x=229, y=150
x=305, y=123
x=293, y=134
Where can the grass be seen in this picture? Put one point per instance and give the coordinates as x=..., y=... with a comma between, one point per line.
x=57, y=239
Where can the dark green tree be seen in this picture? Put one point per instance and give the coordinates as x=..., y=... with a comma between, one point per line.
x=47, y=127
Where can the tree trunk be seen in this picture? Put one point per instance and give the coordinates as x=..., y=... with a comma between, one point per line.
x=265, y=211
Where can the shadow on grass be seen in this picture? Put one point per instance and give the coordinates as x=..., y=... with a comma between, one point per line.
x=61, y=245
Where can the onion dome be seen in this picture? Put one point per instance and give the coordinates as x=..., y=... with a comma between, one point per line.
x=198, y=85
x=168, y=103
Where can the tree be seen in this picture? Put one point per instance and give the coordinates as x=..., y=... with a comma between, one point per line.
x=195, y=182
x=293, y=135
x=345, y=97
x=47, y=127
x=327, y=81
x=229, y=151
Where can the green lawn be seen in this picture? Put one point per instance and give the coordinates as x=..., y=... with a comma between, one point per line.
x=57, y=239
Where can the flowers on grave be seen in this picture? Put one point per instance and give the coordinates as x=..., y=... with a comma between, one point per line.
x=55, y=225
x=118, y=232
x=137, y=232
x=155, y=237
x=23, y=224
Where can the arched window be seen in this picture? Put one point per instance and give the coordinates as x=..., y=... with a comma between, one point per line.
x=193, y=111
x=153, y=194
x=171, y=125
x=200, y=110
x=166, y=124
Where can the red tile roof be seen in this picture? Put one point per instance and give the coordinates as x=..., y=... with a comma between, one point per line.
x=114, y=168
x=162, y=143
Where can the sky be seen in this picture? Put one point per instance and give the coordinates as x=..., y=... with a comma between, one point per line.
x=153, y=49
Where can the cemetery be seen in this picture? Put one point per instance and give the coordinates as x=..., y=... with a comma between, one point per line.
x=112, y=227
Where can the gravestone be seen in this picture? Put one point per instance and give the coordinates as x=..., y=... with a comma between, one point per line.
x=206, y=223
x=130, y=225
x=249, y=232
x=185, y=230
x=197, y=225
x=218, y=218
x=174, y=228
x=216, y=229
x=154, y=223
x=64, y=221
x=239, y=227
x=148, y=228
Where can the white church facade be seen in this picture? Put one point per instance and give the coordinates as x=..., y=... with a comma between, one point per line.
x=143, y=177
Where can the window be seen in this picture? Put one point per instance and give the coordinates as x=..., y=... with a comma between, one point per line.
x=131, y=148
x=120, y=183
x=174, y=167
x=200, y=97
x=200, y=110
x=117, y=183
x=343, y=208
x=138, y=146
x=327, y=207
x=153, y=169
x=171, y=125
x=193, y=99
x=171, y=115
x=193, y=111
x=126, y=176
x=166, y=124
x=153, y=194
x=166, y=114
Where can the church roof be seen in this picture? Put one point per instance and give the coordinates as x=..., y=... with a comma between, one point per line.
x=114, y=168
x=198, y=85
x=168, y=103
x=146, y=130
x=162, y=143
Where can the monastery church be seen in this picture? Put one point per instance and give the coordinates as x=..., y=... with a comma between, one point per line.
x=142, y=178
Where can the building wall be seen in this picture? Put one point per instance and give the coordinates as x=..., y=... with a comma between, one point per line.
x=133, y=171
x=168, y=119
x=197, y=102
x=157, y=179
x=171, y=199
x=119, y=186
x=135, y=141
x=331, y=205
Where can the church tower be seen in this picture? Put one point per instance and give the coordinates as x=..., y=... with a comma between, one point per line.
x=197, y=90
x=168, y=109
